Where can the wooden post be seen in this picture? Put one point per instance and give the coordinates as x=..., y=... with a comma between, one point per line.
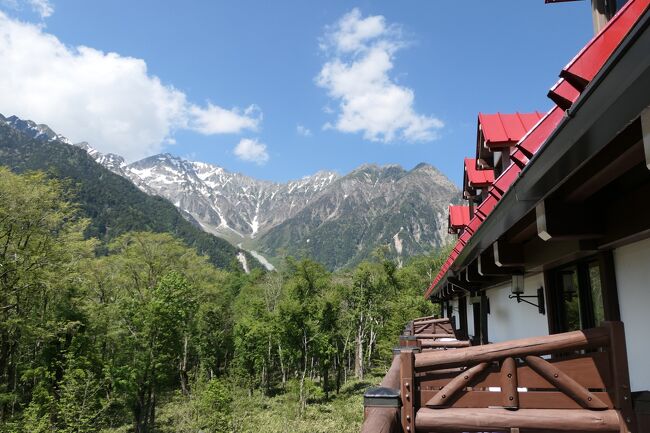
x=485, y=309
x=408, y=389
x=620, y=373
x=509, y=383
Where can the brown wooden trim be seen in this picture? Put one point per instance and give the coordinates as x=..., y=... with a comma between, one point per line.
x=408, y=390
x=433, y=336
x=608, y=285
x=565, y=383
x=621, y=393
x=446, y=394
x=509, y=383
x=531, y=399
x=591, y=370
x=429, y=343
x=560, y=343
x=551, y=293
x=462, y=313
x=492, y=419
x=380, y=420
x=485, y=309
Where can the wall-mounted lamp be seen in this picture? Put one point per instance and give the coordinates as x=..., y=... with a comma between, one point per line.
x=569, y=284
x=517, y=290
x=517, y=284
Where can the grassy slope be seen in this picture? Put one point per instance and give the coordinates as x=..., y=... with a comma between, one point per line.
x=343, y=413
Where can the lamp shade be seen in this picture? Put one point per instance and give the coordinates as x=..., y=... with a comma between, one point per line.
x=517, y=284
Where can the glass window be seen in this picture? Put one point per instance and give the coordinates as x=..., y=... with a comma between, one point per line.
x=596, y=294
x=579, y=297
x=570, y=291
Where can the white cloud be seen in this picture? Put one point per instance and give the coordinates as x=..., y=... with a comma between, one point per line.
x=303, y=130
x=351, y=32
x=217, y=120
x=109, y=100
x=360, y=56
x=252, y=151
x=42, y=7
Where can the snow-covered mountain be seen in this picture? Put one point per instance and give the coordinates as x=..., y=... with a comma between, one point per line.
x=336, y=219
x=33, y=129
x=227, y=204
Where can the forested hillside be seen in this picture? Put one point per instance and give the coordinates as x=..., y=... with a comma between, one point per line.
x=113, y=204
x=152, y=337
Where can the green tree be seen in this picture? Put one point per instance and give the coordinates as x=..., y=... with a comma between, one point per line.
x=41, y=253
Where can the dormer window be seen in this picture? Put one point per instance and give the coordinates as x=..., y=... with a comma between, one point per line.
x=497, y=134
x=476, y=181
x=458, y=219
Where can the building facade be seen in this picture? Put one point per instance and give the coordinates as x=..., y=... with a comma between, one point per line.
x=546, y=291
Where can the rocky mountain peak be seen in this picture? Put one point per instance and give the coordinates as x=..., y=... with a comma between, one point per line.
x=32, y=129
x=336, y=219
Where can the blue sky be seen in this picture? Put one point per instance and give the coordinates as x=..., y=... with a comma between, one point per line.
x=237, y=80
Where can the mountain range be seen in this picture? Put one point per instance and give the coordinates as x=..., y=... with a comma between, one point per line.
x=336, y=219
x=112, y=203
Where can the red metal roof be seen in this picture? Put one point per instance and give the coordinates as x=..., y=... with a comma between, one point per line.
x=501, y=129
x=458, y=217
x=575, y=76
x=477, y=178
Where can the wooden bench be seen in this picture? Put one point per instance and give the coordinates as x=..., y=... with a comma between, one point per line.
x=575, y=381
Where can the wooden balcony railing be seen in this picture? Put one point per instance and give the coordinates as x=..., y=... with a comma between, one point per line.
x=571, y=382
x=382, y=404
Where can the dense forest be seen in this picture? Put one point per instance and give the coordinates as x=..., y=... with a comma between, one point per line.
x=140, y=333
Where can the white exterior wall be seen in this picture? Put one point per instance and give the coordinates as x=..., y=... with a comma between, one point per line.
x=470, y=317
x=632, y=267
x=455, y=314
x=508, y=320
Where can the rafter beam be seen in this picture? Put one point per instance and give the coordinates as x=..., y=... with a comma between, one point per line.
x=562, y=221
x=487, y=267
x=645, y=128
x=472, y=274
x=508, y=254
x=456, y=282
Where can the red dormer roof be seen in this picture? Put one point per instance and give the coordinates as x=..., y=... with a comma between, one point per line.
x=458, y=218
x=477, y=178
x=502, y=130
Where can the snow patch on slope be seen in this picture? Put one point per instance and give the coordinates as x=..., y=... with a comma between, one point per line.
x=244, y=263
x=260, y=258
